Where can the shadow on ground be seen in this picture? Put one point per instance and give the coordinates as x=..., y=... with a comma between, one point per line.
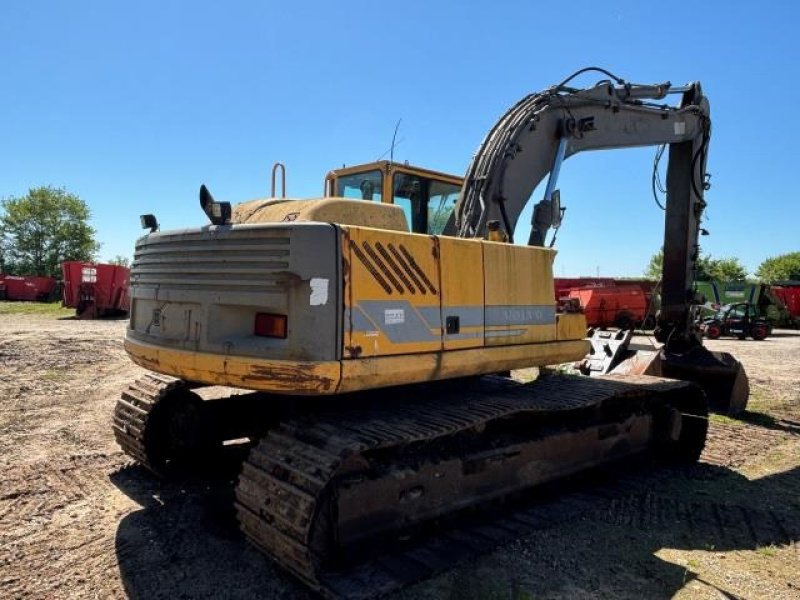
x=611, y=552
x=104, y=318
x=184, y=542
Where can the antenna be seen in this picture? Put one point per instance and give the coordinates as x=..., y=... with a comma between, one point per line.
x=394, y=137
x=395, y=143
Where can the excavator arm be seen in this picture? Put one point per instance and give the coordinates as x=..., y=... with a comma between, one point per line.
x=542, y=130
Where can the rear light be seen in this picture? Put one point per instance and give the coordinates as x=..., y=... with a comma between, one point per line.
x=270, y=325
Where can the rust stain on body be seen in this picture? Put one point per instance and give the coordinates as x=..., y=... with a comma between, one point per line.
x=288, y=378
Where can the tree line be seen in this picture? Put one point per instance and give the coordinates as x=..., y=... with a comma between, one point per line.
x=776, y=268
x=42, y=229
x=49, y=225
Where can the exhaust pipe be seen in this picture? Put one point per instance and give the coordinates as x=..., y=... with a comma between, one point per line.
x=219, y=213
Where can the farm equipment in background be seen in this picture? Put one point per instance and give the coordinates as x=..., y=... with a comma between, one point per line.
x=30, y=288
x=95, y=289
x=740, y=320
x=621, y=306
x=613, y=302
x=788, y=292
x=764, y=299
x=562, y=285
x=610, y=302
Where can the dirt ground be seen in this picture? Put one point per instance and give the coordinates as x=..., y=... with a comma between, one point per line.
x=79, y=520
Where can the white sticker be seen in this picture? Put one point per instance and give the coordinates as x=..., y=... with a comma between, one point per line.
x=319, y=292
x=393, y=316
x=680, y=128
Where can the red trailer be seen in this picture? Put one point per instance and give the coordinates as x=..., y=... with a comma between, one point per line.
x=563, y=285
x=622, y=306
x=648, y=286
x=95, y=289
x=610, y=302
x=28, y=287
x=789, y=293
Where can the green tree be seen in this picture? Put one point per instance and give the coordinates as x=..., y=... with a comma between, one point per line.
x=722, y=269
x=655, y=266
x=122, y=261
x=43, y=228
x=708, y=268
x=779, y=268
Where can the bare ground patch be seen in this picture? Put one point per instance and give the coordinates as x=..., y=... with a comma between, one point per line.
x=78, y=519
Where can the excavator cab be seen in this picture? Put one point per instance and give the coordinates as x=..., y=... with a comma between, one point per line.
x=427, y=197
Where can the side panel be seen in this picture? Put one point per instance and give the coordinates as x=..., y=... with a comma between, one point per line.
x=519, y=294
x=392, y=293
x=462, y=292
x=571, y=326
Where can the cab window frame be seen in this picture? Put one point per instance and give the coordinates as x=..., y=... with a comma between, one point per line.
x=377, y=186
x=418, y=211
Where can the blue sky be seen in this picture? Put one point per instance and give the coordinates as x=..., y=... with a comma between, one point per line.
x=133, y=105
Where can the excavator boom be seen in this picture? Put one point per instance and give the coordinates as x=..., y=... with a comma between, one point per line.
x=542, y=130
x=532, y=140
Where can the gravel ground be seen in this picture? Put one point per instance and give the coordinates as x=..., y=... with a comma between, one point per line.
x=79, y=520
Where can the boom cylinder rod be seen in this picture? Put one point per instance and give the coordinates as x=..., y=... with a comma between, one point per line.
x=679, y=89
x=557, y=161
x=542, y=215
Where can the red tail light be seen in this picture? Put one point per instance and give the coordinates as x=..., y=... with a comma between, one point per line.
x=269, y=325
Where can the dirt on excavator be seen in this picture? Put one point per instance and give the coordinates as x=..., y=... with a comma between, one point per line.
x=79, y=519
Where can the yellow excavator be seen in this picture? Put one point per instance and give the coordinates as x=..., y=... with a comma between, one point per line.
x=366, y=333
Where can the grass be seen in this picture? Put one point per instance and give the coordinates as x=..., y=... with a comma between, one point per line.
x=768, y=551
x=55, y=375
x=724, y=419
x=757, y=413
x=758, y=401
x=46, y=309
x=753, y=418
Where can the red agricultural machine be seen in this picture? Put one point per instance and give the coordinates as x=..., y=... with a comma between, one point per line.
x=622, y=306
x=95, y=289
x=28, y=287
x=609, y=302
x=563, y=285
x=789, y=293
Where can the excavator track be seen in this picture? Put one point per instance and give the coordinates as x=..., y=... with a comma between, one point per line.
x=138, y=418
x=323, y=495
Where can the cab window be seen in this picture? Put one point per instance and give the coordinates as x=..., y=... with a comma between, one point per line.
x=737, y=312
x=427, y=203
x=442, y=201
x=410, y=192
x=364, y=186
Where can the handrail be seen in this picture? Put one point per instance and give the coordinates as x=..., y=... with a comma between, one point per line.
x=283, y=179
